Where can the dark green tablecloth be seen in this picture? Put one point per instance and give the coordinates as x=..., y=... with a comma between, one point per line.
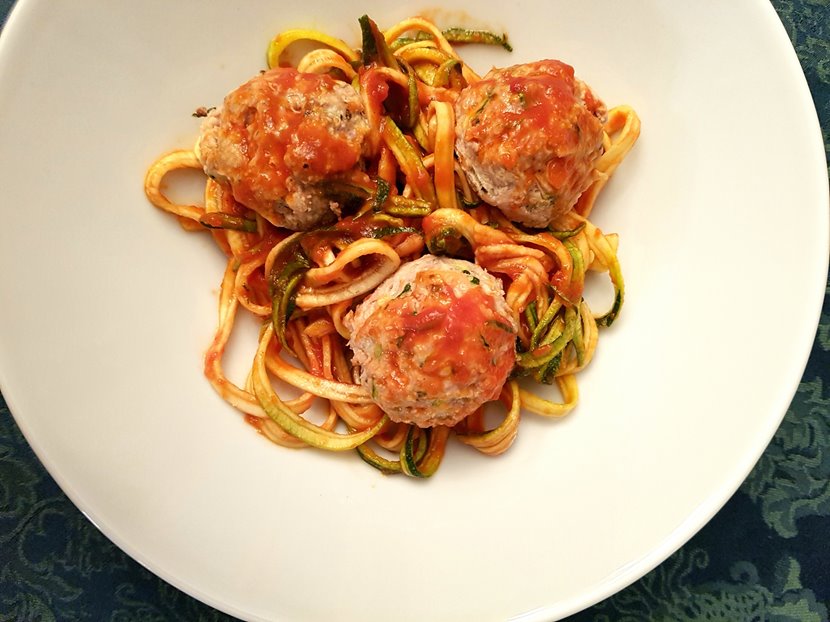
x=765, y=556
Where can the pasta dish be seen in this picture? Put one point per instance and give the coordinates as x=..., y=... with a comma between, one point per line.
x=414, y=237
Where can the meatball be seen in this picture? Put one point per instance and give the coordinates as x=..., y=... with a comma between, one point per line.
x=528, y=137
x=277, y=137
x=434, y=341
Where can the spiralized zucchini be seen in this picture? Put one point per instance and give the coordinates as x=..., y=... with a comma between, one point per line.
x=302, y=285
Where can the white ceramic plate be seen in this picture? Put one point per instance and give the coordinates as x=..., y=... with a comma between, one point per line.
x=107, y=308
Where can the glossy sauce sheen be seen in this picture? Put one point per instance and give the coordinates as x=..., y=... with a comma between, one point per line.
x=277, y=139
x=543, y=109
x=528, y=136
x=268, y=120
x=451, y=339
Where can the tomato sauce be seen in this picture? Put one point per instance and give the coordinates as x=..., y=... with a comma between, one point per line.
x=451, y=339
x=281, y=125
x=537, y=107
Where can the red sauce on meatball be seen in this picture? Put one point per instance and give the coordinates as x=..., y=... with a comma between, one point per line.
x=450, y=335
x=267, y=118
x=277, y=139
x=458, y=333
x=528, y=139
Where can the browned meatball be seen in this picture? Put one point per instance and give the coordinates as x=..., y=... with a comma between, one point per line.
x=434, y=341
x=278, y=136
x=528, y=138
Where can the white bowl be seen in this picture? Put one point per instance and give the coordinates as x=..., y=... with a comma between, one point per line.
x=108, y=307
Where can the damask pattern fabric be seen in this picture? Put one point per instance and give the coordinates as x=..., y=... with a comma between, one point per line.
x=764, y=557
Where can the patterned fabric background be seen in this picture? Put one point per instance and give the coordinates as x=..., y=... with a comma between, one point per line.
x=765, y=556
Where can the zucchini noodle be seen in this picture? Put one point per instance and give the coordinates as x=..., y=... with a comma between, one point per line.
x=412, y=199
